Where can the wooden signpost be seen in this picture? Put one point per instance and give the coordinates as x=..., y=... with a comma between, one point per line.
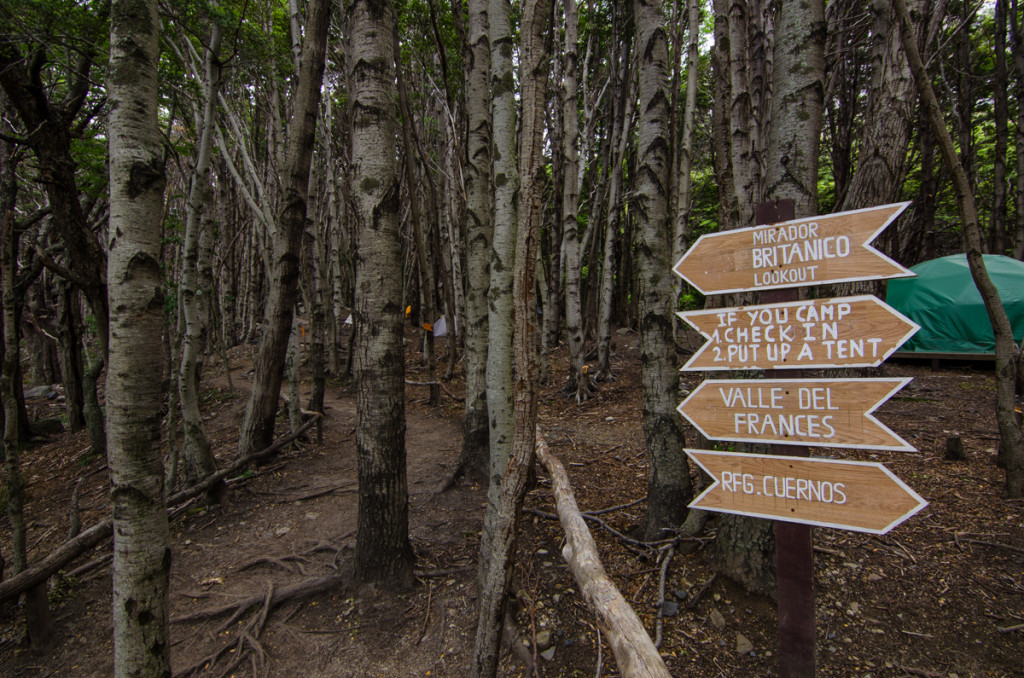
x=849, y=495
x=787, y=486
x=797, y=253
x=857, y=331
x=814, y=412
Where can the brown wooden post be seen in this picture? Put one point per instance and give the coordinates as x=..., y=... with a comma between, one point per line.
x=794, y=554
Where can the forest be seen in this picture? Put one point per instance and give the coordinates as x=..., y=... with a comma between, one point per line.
x=240, y=236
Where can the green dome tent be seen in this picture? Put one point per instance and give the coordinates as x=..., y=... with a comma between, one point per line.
x=944, y=301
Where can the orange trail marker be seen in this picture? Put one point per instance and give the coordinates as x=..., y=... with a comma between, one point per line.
x=814, y=251
x=857, y=331
x=814, y=412
x=849, y=495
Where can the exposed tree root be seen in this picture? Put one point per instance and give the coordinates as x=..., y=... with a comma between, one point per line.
x=246, y=643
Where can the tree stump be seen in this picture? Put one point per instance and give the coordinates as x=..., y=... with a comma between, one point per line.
x=955, y=447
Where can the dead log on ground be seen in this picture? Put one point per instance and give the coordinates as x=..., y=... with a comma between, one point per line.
x=11, y=588
x=633, y=648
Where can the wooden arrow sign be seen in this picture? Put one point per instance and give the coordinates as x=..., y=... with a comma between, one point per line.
x=850, y=495
x=815, y=251
x=814, y=412
x=857, y=331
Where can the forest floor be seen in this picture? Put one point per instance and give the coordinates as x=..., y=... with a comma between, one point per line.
x=941, y=595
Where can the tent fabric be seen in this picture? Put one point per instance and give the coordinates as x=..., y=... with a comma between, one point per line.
x=944, y=301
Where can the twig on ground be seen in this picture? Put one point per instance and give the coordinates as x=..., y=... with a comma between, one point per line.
x=668, y=552
x=439, y=384
x=699, y=593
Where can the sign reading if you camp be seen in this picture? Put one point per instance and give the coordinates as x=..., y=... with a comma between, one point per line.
x=846, y=332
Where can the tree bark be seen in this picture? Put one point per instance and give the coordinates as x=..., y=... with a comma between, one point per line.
x=505, y=183
x=668, y=474
x=383, y=551
x=258, y=422
x=475, y=455
x=579, y=382
x=1011, y=438
x=198, y=456
x=142, y=557
x=497, y=578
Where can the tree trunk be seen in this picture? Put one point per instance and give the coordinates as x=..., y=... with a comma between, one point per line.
x=1011, y=443
x=621, y=131
x=198, y=456
x=474, y=457
x=997, y=240
x=383, y=551
x=134, y=395
x=505, y=182
x=668, y=474
x=579, y=382
x=1017, y=50
x=258, y=422
x=497, y=578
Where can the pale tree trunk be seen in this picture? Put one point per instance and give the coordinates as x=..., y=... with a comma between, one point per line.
x=383, y=551
x=497, y=578
x=668, y=474
x=141, y=553
x=474, y=458
x=579, y=382
x=684, y=182
x=622, y=129
x=505, y=182
x=1011, y=438
x=257, y=430
x=198, y=456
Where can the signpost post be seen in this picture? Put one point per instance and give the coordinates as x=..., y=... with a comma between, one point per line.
x=785, y=333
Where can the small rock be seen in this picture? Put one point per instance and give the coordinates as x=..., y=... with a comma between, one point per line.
x=548, y=654
x=281, y=531
x=853, y=610
x=875, y=577
x=609, y=418
x=544, y=639
x=717, y=620
x=681, y=594
x=623, y=331
x=312, y=516
x=669, y=608
x=743, y=644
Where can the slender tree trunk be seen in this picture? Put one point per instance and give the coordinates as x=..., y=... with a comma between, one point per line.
x=684, y=182
x=579, y=382
x=258, y=422
x=428, y=283
x=1017, y=50
x=198, y=456
x=505, y=182
x=497, y=578
x=134, y=394
x=668, y=474
x=475, y=455
x=622, y=129
x=1011, y=438
x=383, y=551
x=997, y=240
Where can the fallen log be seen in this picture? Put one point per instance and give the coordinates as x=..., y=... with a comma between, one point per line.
x=633, y=648
x=11, y=588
